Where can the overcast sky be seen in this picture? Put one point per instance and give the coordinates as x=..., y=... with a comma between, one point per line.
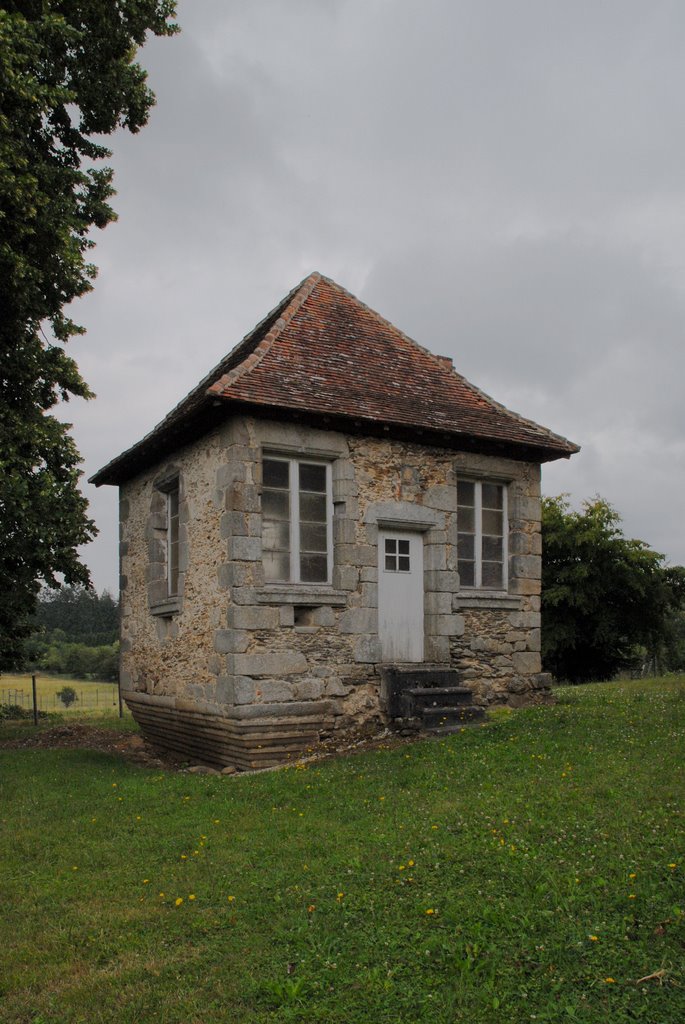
x=503, y=181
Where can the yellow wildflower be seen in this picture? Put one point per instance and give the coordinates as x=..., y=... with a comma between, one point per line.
x=179, y=901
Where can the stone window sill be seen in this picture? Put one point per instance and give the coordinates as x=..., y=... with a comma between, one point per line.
x=301, y=593
x=488, y=599
x=167, y=608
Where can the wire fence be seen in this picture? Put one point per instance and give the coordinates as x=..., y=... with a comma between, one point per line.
x=83, y=697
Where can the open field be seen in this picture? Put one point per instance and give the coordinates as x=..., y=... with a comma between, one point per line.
x=15, y=688
x=531, y=869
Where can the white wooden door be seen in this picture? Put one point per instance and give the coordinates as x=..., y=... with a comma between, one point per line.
x=400, y=596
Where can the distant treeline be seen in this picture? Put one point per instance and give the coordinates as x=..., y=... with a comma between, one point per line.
x=75, y=634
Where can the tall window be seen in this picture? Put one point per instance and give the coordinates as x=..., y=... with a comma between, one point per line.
x=482, y=533
x=296, y=521
x=172, y=544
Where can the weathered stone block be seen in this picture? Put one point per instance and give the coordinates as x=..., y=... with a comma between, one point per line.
x=434, y=556
x=526, y=566
x=275, y=690
x=335, y=687
x=323, y=616
x=242, y=498
x=534, y=641
x=369, y=595
x=523, y=507
x=526, y=664
x=157, y=591
x=308, y=689
x=367, y=650
x=232, y=689
x=438, y=603
x=525, y=620
x=437, y=649
x=519, y=543
x=344, y=531
x=438, y=580
x=359, y=620
x=286, y=615
x=345, y=577
x=270, y=664
x=245, y=549
x=356, y=554
x=441, y=497
x=231, y=641
x=244, y=595
x=230, y=473
x=520, y=585
x=253, y=617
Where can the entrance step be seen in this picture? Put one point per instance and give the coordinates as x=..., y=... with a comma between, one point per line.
x=427, y=697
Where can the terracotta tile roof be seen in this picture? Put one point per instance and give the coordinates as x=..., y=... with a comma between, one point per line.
x=324, y=353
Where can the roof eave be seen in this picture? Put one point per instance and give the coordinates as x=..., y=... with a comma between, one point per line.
x=214, y=410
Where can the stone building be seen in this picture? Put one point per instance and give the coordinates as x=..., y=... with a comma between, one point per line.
x=333, y=528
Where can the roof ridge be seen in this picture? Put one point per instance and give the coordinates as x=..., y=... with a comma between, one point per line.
x=295, y=299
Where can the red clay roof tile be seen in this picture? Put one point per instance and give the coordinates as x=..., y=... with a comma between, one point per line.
x=323, y=352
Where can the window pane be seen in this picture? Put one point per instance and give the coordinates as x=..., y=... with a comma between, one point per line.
x=492, y=549
x=312, y=478
x=466, y=493
x=172, y=540
x=172, y=498
x=467, y=575
x=403, y=547
x=403, y=563
x=466, y=519
x=492, y=496
x=313, y=537
x=466, y=546
x=276, y=565
x=275, y=473
x=492, y=523
x=390, y=547
x=391, y=563
x=313, y=507
x=276, y=504
x=313, y=568
x=275, y=535
x=492, y=574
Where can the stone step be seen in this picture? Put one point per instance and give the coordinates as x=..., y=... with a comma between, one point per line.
x=446, y=718
x=449, y=695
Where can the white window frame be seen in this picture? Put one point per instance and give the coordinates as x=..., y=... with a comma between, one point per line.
x=478, y=535
x=294, y=492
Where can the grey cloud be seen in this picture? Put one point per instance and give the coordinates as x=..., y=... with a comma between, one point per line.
x=503, y=181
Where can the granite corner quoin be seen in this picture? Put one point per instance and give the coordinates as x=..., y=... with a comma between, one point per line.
x=334, y=529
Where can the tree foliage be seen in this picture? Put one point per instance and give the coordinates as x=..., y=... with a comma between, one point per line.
x=83, y=616
x=607, y=601
x=67, y=77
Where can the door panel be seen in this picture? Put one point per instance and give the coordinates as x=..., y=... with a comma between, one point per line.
x=400, y=596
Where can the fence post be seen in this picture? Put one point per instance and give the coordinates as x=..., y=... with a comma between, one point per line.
x=35, y=702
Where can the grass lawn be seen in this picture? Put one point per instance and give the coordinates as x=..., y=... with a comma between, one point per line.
x=528, y=870
x=92, y=696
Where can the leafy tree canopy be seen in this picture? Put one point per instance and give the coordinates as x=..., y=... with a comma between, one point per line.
x=605, y=599
x=67, y=77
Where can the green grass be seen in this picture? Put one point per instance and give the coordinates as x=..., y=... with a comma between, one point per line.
x=504, y=874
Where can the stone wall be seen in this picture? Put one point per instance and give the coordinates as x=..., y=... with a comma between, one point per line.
x=283, y=663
